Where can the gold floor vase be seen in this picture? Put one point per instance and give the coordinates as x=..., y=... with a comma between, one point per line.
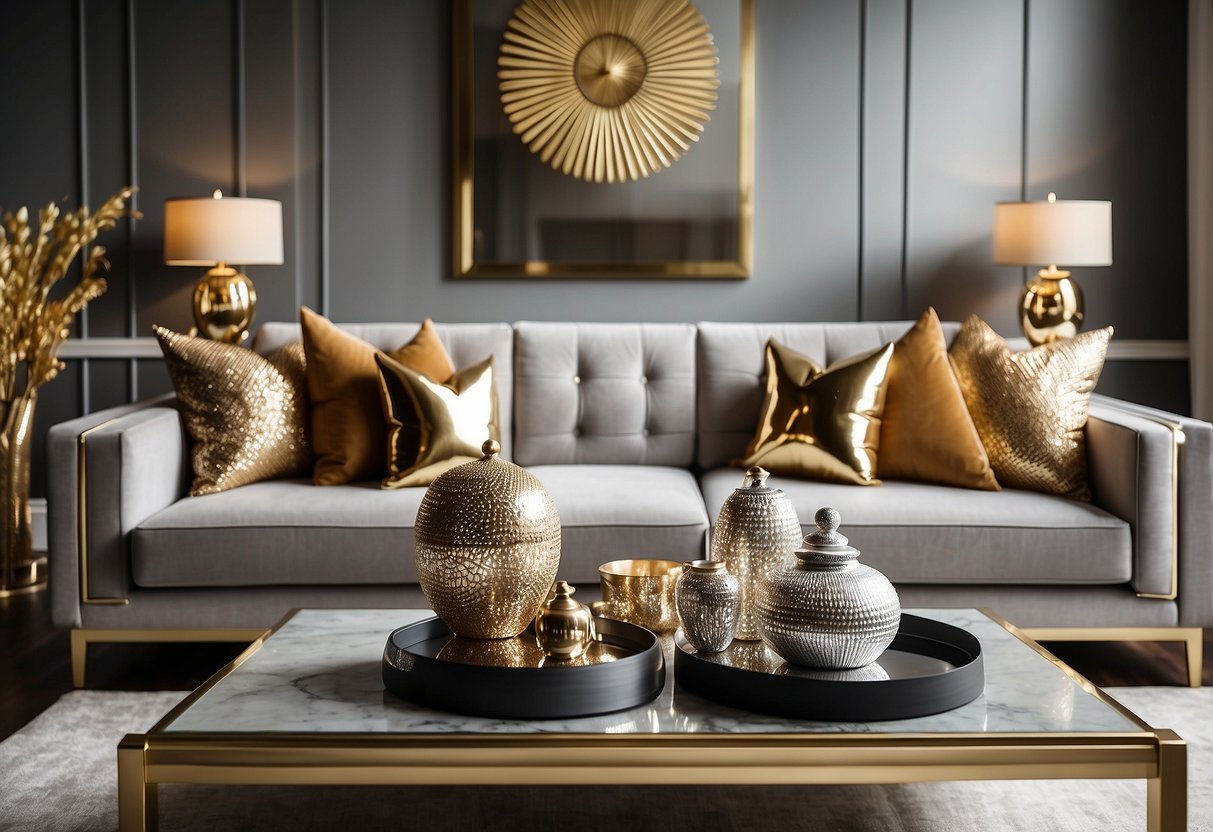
x=20, y=571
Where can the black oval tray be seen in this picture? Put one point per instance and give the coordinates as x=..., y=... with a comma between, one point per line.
x=781, y=689
x=552, y=691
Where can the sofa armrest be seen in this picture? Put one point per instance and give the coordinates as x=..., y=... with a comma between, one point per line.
x=1172, y=495
x=108, y=472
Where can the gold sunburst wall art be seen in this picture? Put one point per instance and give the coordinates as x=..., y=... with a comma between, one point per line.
x=608, y=90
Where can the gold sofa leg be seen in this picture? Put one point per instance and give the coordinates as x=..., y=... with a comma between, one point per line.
x=1192, y=637
x=79, y=657
x=82, y=638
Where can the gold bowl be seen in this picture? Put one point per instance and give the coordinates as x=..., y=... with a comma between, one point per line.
x=640, y=592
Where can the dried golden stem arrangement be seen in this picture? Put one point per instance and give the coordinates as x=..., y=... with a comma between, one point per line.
x=33, y=327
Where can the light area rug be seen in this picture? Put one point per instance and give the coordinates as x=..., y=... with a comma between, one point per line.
x=59, y=774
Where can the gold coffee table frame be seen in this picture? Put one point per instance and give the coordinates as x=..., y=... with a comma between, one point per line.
x=1158, y=756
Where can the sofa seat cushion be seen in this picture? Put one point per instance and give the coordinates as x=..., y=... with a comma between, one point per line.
x=931, y=534
x=609, y=512
x=289, y=532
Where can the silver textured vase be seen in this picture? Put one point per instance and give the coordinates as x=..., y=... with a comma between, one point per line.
x=829, y=611
x=708, y=600
x=487, y=539
x=755, y=535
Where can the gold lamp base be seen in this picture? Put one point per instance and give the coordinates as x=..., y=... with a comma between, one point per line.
x=224, y=304
x=1050, y=307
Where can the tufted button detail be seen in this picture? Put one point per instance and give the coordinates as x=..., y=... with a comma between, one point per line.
x=577, y=379
x=576, y=431
x=644, y=379
x=644, y=432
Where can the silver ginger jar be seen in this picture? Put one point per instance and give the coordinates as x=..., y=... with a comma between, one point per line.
x=755, y=535
x=829, y=611
x=488, y=546
x=708, y=599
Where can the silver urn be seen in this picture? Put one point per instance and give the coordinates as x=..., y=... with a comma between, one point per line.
x=708, y=599
x=755, y=535
x=829, y=611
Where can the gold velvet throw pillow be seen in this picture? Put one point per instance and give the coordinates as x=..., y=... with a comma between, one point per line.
x=926, y=433
x=348, y=429
x=820, y=424
x=1030, y=407
x=246, y=416
x=434, y=426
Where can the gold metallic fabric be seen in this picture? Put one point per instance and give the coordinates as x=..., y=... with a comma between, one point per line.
x=926, y=433
x=487, y=541
x=433, y=426
x=246, y=416
x=820, y=424
x=608, y=90
x=348, y=428
x=1030, y=408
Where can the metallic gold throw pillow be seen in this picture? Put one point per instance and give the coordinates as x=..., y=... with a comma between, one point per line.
x=926, y=433
x=246, y=416
x=1030, y=408
x=820, y=424
x=432, y=426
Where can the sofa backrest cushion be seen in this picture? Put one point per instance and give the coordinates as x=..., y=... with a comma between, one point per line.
x=730, y=372
x=465, y=343
x=604, y=393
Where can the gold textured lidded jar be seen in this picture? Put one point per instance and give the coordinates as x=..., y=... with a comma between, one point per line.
x=829, y=611
x=487, y=540
x=755, y=535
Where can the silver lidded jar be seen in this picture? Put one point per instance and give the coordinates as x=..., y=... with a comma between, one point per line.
x=708, y=599
x=755, y=535
x=829, y=611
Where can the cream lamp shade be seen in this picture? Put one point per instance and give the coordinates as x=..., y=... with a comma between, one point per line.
x=1061, y=232
x=222, y=229
x=1074, y=232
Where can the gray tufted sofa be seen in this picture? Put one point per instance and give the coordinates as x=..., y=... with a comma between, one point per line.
x=631, y=427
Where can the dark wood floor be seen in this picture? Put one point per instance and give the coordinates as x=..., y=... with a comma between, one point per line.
x=35, y=664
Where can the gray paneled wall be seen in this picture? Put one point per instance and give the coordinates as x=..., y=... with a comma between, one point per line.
x=885, y=131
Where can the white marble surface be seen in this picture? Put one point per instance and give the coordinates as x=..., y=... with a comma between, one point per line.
x=321, y=673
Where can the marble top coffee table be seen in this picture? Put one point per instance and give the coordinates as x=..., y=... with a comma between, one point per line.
x=305, y=704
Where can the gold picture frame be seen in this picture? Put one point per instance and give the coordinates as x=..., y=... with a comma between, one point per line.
x=730, y=238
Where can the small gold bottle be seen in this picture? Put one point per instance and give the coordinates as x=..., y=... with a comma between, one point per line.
x=563, y=627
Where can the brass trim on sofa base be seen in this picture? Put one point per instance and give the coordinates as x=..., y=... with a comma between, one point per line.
x=82, y=638
x=1192, y=637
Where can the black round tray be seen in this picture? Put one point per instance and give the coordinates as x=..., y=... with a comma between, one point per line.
x=933, y=667
x=633, y=677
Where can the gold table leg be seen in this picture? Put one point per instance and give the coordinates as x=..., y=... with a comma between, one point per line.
x=1167, y=794
x=137, y=810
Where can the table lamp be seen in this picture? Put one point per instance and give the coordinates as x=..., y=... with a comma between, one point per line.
x=1069, y=232
x=215, y=231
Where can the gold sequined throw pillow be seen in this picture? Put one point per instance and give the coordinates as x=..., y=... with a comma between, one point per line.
x=1030, y=407
x=820, y=424
x=434, y=426
x=926, y=433
x=246, y=416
